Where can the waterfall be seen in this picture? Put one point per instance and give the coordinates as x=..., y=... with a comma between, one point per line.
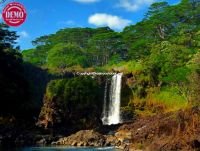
x=104, y=119
x=111, y=110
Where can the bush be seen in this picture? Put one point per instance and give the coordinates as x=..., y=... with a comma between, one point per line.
x=170, y=98
x=72, y=101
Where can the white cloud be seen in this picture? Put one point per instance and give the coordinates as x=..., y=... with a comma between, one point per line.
x=23, y=34
x=0, y=16
x=134, y=5
x=66, y=23
x=114, y=22
x=86, y=1
x=69, y=22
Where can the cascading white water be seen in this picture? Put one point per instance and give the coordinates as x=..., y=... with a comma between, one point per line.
x=104, y=119
x=112, y=116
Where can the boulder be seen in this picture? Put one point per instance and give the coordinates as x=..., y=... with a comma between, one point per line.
x=110, y=140
x=83, y=138
x=124, y=136
x=41, y=142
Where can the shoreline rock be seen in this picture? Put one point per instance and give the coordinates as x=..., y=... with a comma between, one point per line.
x=91, y=138
x=82, y=138
x=169, y=131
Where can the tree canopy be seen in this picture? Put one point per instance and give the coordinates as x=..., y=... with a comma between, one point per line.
x=162, y=45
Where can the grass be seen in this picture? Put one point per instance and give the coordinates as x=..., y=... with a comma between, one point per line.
x=171, y=99
x=165, y=100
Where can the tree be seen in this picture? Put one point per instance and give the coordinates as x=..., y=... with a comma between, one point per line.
x=158, y=18
x=7, y=38
x=66, y=55
x=105, y=45
x=72, y=101
x=194, y=79
x=156, y=8
x=13, y=86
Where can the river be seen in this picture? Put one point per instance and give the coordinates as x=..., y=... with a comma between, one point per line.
x=58, y=149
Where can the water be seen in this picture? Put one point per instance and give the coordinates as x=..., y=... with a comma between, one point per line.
x=105, y=113
x=60, y=149
x=111, y=114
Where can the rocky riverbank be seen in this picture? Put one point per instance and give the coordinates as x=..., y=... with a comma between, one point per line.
x=93, y=138
x=168, y=131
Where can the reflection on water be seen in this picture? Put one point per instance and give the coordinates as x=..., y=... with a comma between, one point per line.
x=58, y=149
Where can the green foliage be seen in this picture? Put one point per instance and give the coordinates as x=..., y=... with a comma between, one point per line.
x=160, y=52
x=34, y=57
x=79, y=92
x=83, y=47
x=157, y=8
x=168, y=60
x=105, y=45
x=82, y=93
x=73, y=101
x=171, y=98
x=55, y=88
x=13, y=86
x=125, y=67
x=194, y=88
x=63, y=56
x=177, y=75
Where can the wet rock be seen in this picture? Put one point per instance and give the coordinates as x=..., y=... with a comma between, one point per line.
x=41, y=142
x=74, y=144
x=81, y=144
x=83, y=138
x=54, y=143
x=122, y=147
x=124, y=136
x=111, y=140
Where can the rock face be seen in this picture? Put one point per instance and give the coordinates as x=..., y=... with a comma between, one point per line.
x=50, y=113
x=165, y=132
x=124, y=136
x=83, y=138
x=91, y=138
x=68, y=103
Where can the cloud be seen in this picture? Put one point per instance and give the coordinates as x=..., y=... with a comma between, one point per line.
x=0, y=16
x=68, y=22
x=134, y=5
x=23, y=34
x=114, y=22
x=86, y=1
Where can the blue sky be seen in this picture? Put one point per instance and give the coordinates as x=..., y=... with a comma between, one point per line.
x=48, y=16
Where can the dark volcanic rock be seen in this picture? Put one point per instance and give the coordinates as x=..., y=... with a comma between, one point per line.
x=83, y=138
